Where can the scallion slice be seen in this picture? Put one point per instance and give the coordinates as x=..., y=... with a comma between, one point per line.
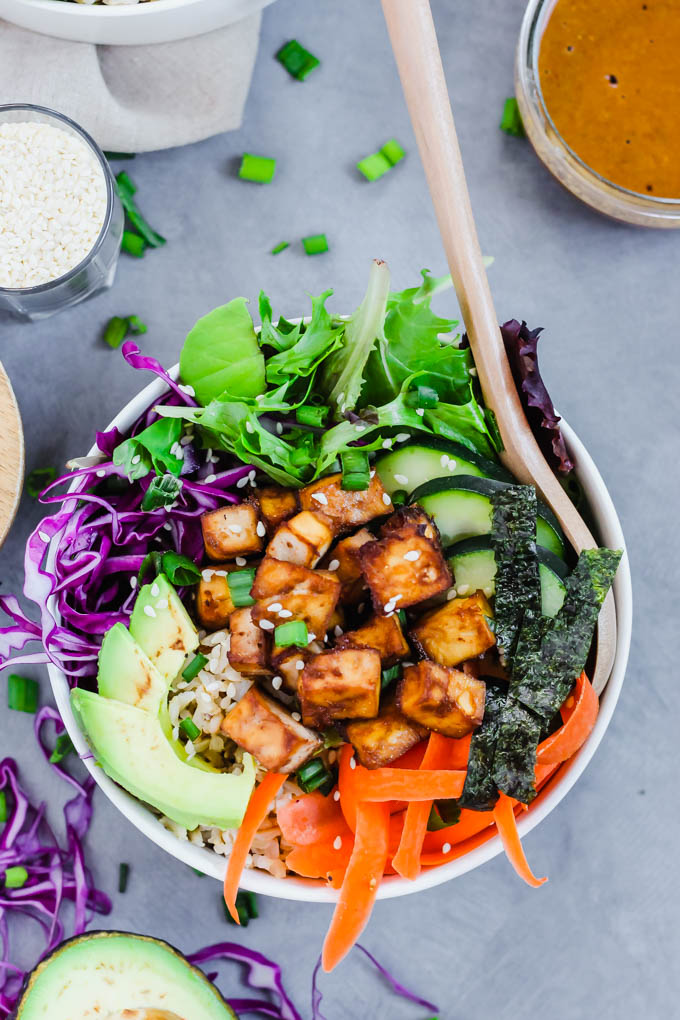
x=39, y=479
x=126, y=191
x=240, y=582
x=309, y=414
x=4, y=813
x=246, y=908
x=133, y=244
x=119, y=155
x=125, y=185
x=388, y=675
x=115, y=331
x=374, y=166
x=123, y=875
x=22, y=694
x=298, y=61
x=356, y=473
x=260, y=169
x=62, y=747
x=422, y=396
x=195, y=666
x=511, y=120
x=189, y=729
x=16, y=877
x=281, y=246
x=392, y=151
x=294, y=632
x=314, y=775
x=315, y=244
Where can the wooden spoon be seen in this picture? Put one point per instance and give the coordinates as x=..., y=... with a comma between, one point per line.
x=416, y=50
x=11, y=455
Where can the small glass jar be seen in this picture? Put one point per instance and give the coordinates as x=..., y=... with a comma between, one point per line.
x=569, y=169
x=96, y=271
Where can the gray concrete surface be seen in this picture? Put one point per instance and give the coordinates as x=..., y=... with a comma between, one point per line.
x=601, y=939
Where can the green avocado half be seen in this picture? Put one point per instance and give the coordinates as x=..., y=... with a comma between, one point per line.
x=108, y=975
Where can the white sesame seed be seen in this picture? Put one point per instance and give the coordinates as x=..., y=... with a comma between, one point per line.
x=452, y=465
x=300, y=664
x=360, y=428
x=390, y=606
x=285, y=614
x=155, y=590
x=420, y=411
x=401, y=437
x=312, y=637
x=451, y=594
x=207, y=575
x=189, y=390
x=473, y=371
x=334, y=564
x=249, y=427
x=276, y=682
x=279, y=428
x=444, y=459
x=185, y=440
x=337, y=843
x=209, y=479
x=43, y=536
x=371, y=473
x=133, y=582
x=236, y=529
x=251, y=474
x=242, y=482
x=352, y=763
x=168, y=526
x=274, y=607
x=296, y=716
x=412, y=555
x=402, y=479
x=387, y=499
x=266, y=625
x=337, y=630
x=149, y=610
x=446, y=849
x=341, y=397
x=387, y=444
x=162, y=604
x=241, y=561
x=260, y=529
x=101, y=474
x=320, y=497
x=136, y=459
x=463, y=589
x=336, y=795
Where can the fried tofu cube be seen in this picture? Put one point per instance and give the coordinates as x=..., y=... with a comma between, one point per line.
x=410, y=520
x=275, y=505
x=303, y=539
x=383, y=633
x=248, y=644
x=346, y=509
x=213, y=597
x=263, y=728
x=442, y=699
x=405, y=567
x=342, y=684
x=288, y=591
x=456, y=631
x=288, y=663
x=344, y=561
x=380, y=741
x=232, y=531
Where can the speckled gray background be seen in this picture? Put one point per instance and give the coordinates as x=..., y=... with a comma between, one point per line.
x=601, y=939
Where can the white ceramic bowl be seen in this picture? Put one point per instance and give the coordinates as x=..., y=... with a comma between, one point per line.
x=312, y=890
x=128, y=24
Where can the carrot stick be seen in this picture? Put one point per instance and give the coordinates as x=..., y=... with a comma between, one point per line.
x=311, y=819
x=322, y=860
x=256, y=812
x=504, y=816
x=347, y=785
x=379, y=785
x=406, y=861
x=359, y=888
x=580, y=719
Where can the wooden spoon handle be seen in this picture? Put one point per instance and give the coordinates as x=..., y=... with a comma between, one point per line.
x=416, y=51
x=11, y=455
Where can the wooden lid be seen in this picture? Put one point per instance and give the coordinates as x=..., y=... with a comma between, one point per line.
x=11, y=455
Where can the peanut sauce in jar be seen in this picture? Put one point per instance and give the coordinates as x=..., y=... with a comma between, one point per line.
x=609, y=72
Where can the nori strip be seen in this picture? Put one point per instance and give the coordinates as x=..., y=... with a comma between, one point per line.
x=514, y=763
x=518, y=585
x=480, y=792
x=543, y=676
x=443, y=814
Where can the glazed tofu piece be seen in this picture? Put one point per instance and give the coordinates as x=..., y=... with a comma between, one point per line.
x=262, y=727
x=342, y=684
x=288, y=591
x=380, y=741
x=442, y=699
x=303, y=539
x=407, y=565
x=288, y=663
x=346, y=509
x=213, y=597
x=344, y=561
x=456, y=631
x=275, y=505
x=232, y=531
x=248, y=645
x=383, y=633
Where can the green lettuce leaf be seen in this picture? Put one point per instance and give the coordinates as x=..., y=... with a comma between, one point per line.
x=221, y=355
x=321, y=336
x=152, y=448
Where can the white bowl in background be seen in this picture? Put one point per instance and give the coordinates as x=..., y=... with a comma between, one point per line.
x=313, y=890
x=157, y=21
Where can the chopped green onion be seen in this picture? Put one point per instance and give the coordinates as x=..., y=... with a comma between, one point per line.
x=401, y=613
x=39, y=479
x=511, y=121
x=298, y=61
x=246, y=908
x=388, y=675
x=251, y=900
x=62, y=747
x=315, y=244
x=195, y=666
x=179, y=570
x=189, y=729
x=4, y=813
x=331, y=738
x=308, y=414
x=373, y=167
x=135, y=325
x=281, y=246
x=125, y=185
x=260, y=169
x=152, y=559
x=16, y=877
x=201, y=874
x=399, y=497
x=392, y=151
x=22, y=694
x=163, y=491
x=356, y=473
x=119, y=155
x=126, y=190
x=422, y=396
x=240, y=582
x=133, y=244
x=123, y=875
x=292, y=633
x=115, y=331
x=314, y=775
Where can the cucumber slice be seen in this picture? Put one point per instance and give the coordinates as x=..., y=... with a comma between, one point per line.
x=461, y=508
x=422, y=459
x=473, y=564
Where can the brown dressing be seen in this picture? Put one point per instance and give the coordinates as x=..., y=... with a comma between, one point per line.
x=610, y=76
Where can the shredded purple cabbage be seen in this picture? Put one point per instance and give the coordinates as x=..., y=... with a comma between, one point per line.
x=56, y=873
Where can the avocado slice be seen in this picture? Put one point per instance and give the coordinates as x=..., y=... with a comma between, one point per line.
x=115, y=974
x=132, y=748
x=162, y=627
x=127, y=674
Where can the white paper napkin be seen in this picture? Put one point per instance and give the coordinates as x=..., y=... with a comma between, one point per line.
x=135, y=98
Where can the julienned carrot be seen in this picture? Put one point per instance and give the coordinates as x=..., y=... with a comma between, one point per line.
x=379, y=785
x=362, y=878
x=406, y=861
x=580, y=719
x=256, y=812
x=347, y=785
x=322, y=860
x=310, y=819
x=469, y=824
x=506, y=823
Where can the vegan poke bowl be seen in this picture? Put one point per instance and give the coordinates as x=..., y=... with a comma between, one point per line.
x=302, y=623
